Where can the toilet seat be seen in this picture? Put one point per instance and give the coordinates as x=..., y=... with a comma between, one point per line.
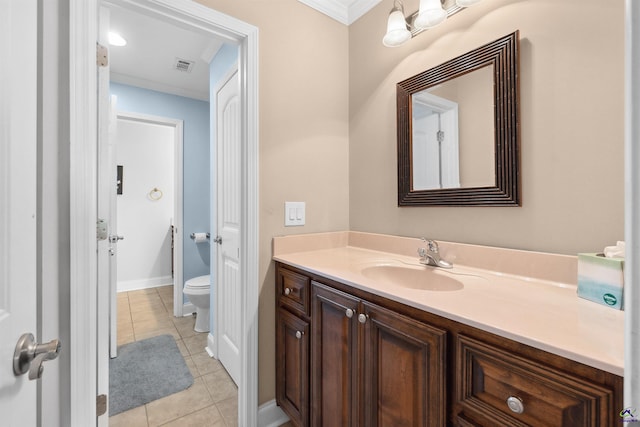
x=198, y=282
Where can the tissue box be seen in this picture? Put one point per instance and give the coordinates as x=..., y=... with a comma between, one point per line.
x=601, y=279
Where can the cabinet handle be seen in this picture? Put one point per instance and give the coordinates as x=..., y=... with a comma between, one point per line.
x=299, y=334
x=287, y=291
x=362, y=318
x=349, y=313
x=515, y=404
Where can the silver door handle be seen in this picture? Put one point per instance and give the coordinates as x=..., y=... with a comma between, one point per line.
x=218, y=240
x=114, y=238
x=28, y=351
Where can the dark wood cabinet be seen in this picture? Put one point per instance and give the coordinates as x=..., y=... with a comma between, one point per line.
x=498, y=388
x=293, y=345
x=347, y=357
x=404, y=370
x=292, y=369
x=373, y=367
x=335, y=358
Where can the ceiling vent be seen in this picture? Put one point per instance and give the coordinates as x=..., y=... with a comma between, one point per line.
x=184, y=65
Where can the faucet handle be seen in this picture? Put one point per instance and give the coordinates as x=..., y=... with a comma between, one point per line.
x=422, y=252
x=433, y=246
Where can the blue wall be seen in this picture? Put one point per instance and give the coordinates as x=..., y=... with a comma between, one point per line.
x=220, y=66
x=196, y=171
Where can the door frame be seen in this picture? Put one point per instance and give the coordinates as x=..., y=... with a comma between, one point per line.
x=178, y=202
x=83, y=20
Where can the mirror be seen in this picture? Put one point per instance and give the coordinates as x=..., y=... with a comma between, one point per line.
x=458, y=130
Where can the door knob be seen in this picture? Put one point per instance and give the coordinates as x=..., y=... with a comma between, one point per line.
x=29, y=355
x=114, y=238
x=218, y=240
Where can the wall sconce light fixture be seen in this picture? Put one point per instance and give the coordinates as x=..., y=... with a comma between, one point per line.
x=430, y=14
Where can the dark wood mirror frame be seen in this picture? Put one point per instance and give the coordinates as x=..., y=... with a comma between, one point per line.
x=503, y=54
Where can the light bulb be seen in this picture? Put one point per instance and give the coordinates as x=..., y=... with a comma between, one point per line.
x=397, y=31
x=430, y=14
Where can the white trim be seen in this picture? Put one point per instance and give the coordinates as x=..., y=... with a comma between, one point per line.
x=211, y=345
x=340, y=11
x=270, y=415
x=83, y=34
x=83, y=130
x=178, y=203
x=147, y=283
x=632, y=207
x=249, y=72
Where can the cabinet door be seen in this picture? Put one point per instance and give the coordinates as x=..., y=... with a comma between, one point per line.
x=334, y=358
x=292, y=366
x=404, y=372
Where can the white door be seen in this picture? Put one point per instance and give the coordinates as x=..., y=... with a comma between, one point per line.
x=228, y=283
x=18, y=185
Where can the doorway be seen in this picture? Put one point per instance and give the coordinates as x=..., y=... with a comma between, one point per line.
x=146, y=206
x=84, y=265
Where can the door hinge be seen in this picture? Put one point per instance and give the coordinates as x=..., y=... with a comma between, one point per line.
x=101, y=404
x=102, y=55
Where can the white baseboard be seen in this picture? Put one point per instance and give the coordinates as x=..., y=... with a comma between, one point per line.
x=211, y=346
x=270, y=415
x=153, y=282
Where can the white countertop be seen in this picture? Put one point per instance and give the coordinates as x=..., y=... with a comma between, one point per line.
x=544, y=314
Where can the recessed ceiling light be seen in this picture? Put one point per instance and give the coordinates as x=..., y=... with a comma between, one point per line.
x=116, y=39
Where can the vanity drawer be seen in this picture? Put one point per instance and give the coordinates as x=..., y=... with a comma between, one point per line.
x=293, y=291
x=498, y=388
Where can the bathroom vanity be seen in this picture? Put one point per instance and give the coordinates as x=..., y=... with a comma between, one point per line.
x=365, y=336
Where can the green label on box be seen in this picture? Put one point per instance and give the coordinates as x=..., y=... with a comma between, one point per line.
x=610, y=299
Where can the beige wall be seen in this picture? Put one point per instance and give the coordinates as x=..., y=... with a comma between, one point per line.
x=571, y=109
x=327, y=127
x=304, y=138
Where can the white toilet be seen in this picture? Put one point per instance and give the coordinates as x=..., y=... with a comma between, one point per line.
x=197, y=290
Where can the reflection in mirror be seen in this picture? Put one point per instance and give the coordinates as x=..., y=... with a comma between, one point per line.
x=452, y=133
x=458, y=130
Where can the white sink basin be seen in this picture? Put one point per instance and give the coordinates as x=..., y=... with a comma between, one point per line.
x=414, y=277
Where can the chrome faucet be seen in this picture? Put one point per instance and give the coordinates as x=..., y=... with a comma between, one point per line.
x=431, y=255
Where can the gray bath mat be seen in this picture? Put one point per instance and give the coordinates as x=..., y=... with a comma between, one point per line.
x=145, y=371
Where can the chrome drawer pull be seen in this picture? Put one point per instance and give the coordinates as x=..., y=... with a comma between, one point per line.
x=287, y=291
x=299, y=334
x=515, y=404
x=362, y=318
x=349, y=313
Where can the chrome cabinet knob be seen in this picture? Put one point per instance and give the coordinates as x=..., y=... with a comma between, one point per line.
x=515, y=404
x=362, y=318
x=349, y=313
x=299, y=334
x=287, y=291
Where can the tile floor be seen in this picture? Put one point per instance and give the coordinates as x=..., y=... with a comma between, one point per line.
x=212, y=400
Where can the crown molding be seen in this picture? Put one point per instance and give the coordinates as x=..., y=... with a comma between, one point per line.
x=344, y=11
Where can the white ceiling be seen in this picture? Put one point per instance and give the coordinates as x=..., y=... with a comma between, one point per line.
x=345, y=11
x=148, y=60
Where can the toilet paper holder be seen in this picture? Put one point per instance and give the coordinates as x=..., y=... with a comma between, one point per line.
x=193, y=236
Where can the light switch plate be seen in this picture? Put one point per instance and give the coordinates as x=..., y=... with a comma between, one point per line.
x=294, y=214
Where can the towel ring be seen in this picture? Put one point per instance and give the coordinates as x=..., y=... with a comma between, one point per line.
x=155, y=194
